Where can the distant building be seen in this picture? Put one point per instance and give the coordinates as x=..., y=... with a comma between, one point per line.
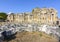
x=38, y=15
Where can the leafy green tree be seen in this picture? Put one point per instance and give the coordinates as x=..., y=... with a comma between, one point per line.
x=3, y=15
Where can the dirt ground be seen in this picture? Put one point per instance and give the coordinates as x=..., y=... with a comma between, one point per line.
x=33, y=37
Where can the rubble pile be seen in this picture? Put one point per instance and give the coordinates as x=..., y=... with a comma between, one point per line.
x=11, y=28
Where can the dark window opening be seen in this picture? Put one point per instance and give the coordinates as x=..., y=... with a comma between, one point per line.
x=57, y=22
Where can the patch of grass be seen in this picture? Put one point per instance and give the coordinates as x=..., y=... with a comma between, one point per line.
x=40, y=34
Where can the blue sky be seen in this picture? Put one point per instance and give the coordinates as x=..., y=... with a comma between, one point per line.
x=18, y=6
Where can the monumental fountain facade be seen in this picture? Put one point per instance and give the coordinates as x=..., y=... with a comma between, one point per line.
x=46, y=16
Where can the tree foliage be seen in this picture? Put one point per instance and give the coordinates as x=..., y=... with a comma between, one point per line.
x=3, y=15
